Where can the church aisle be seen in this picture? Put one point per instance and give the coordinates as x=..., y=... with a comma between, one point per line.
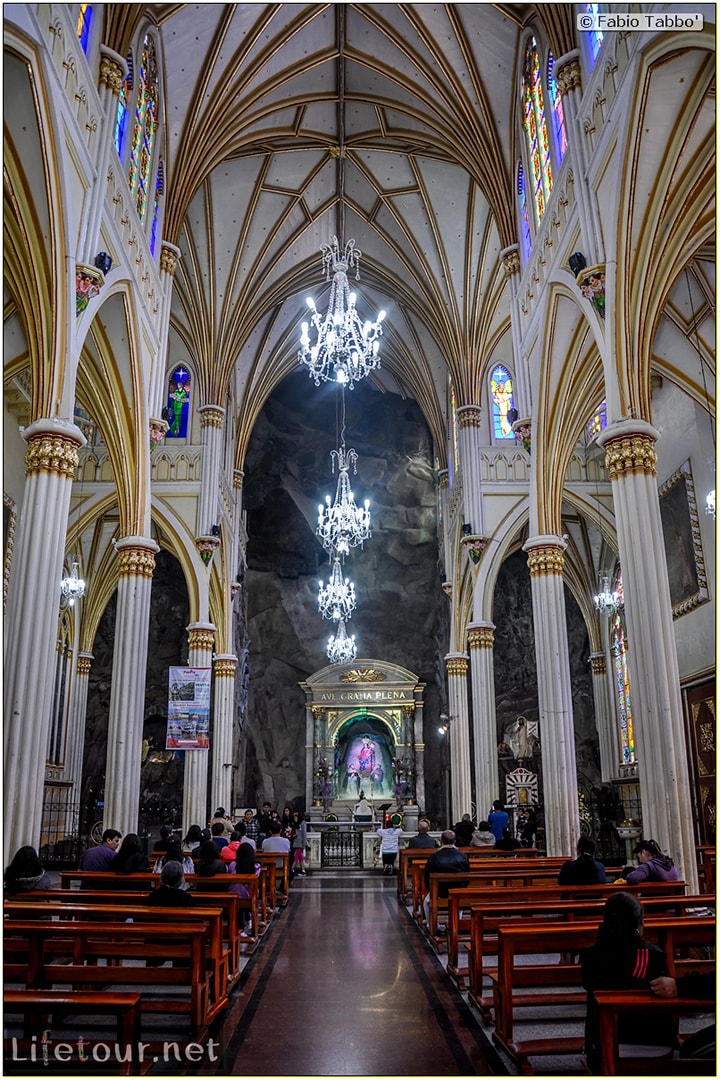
x=345, y=986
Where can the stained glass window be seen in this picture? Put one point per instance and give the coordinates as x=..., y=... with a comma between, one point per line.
x=618, y=646
x=501, y=392
x=525, y=237
x=597, y=422
x=144, y=128
x=454, y=455
x=178, y=404
x=159, y=185
x=121, y=117
x=83, y=26
x=594, y=37
x=558, y=116
x=536, y=129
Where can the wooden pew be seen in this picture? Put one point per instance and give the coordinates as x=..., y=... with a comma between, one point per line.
x=529, y=939
x=464, y=901
x=40, y=954
x=219, y=955
x=611, y=1003
x=706, y=867
x=485, y=922
x=493, y=870
x=37, y=1006
x=281, y=875
x=409, y=856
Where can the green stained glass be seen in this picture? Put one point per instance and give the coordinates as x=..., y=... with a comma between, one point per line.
x=536, y=129
x=144, y=128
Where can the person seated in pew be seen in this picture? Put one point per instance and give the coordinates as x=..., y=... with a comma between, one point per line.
x=483, y=836
x=173, y=888
x=26, y=872
x=244, y=863
x=174, y=853
x=464, y=830
x=130, y=858
x=218, y=835
x=209, y=865
x=654, y=866
x=621, y=960
x=583, y=870
x=696, y=984
x=100, y=856
x=276, y=844
x=422, y=838
x=166, y=834
x=194, y=838
x=447, y=860
x=508, y=842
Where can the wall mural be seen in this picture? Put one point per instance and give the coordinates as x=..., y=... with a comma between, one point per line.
x=363, y=762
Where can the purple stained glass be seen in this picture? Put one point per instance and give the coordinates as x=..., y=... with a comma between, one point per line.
x=144, y=128
x=536, y=129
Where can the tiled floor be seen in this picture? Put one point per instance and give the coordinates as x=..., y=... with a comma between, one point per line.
x=345, y=986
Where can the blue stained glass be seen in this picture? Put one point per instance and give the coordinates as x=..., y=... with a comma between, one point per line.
x=558, y=115
x=122, y=110
x=618, y=645
x=536, y=129
x=501, y=393
x=525, y=235
x=83, y=26
x=178, y=403
x=156, y=209
x=595, y=37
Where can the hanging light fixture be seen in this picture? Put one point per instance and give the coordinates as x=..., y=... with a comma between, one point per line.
x=336, y=600
x=607, y=602
x=341, y=649
x=345, y=349
x=341, y=524
x=72, y=588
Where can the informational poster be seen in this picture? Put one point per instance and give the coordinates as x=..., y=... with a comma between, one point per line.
x=188, y=709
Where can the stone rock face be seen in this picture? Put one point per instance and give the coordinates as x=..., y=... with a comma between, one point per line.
x=288, y=472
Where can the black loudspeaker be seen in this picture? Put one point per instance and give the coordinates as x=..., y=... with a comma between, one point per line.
x=103, y=262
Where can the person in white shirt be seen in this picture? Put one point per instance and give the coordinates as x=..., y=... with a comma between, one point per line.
x=389, y=837
x=363, y=811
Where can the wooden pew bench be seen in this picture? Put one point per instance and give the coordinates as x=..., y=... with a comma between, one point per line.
x=45, y=1010
x=495, y=871
x=612, y=1003
x=43, y=954
x=464, y=903
x=558, y=983
x=407, y=857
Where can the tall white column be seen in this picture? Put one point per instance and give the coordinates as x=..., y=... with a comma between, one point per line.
x=481, y=643
x=568, y=77
x=456, y=665
x=136, y=562
x=605, y=721
x=51, y=461
x=468, y=418
x=224, y=670
x=667, y=805
x=309, y=756
x=557, y=731
x=76, y=723
x=212, y=418
x=201, y=638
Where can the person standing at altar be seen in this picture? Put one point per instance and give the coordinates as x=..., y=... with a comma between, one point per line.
x=498, y=819
x=363, y=811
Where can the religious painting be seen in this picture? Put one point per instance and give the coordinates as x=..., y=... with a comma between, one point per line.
x=683, y=548
x=699, y=703
x=177, y=411
x=363, y=762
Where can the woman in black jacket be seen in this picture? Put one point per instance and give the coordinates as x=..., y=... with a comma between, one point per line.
x=129, y=857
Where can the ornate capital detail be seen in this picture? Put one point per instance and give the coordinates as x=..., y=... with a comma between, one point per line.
x=318, y=711
x=53, y=453
x=211, y=416
x=408, y=711
x=224, y=668
x=456, y=665
x=444, y=478
x=523, y=433
x=84, y=664
x=169, y=256
x=207, y=545
x=475, y=545
x=238, y=476
x=597, y=661
x=511, y=260
x=591, y=283
x=631, y=454
x=546, y=559
x=568, y=76
x=111, y=74
x=158, y=430
x=201, y=640
x=469, y=416
x=135, y=562
x=481, y=637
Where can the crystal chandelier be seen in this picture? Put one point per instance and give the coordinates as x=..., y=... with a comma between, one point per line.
x=710, y=503
x=343, y=525
x=336, y=600
x=345, y=349
x=72, y=588
x=607, y=602
x=341, y=649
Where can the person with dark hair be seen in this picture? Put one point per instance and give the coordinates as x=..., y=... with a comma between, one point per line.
x=263, y=821
x=252, y=826
x=527, y=827
x=218, y=835
x=446, y=860
x=26, y=872
x=193, y=839
x=210, y=865
x=585, y=869
x=244, y=864
x=129, y=858
x=174, y=853
x=276, y=844
x=173, y=888
x=100, y=856
x=498, y=819
x=389, y=834
x=621, y=960
x=464, y=830
x=166, y=834
x=483, y=836
x=508, y=842
x=654, y=866
x=298, y=843
x=221, y=817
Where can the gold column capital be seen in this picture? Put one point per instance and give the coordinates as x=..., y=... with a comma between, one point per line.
x=510, y=260
x=546, y=559
x=112, y=73
x=238, y=476
x=469, y=416
x=481, y=637
x=169, y=256
x=456, y=665
x=318, y=711
x=211, y=416
x=52, y=452
x=568, y=76
x=84, y=664
x=201, y=638
x=598, y=663
x=225, y=668
x=135, y=561
x=630, y=454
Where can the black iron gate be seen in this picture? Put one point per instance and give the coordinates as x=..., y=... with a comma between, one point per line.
x=60, y=845
x=341, y=848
